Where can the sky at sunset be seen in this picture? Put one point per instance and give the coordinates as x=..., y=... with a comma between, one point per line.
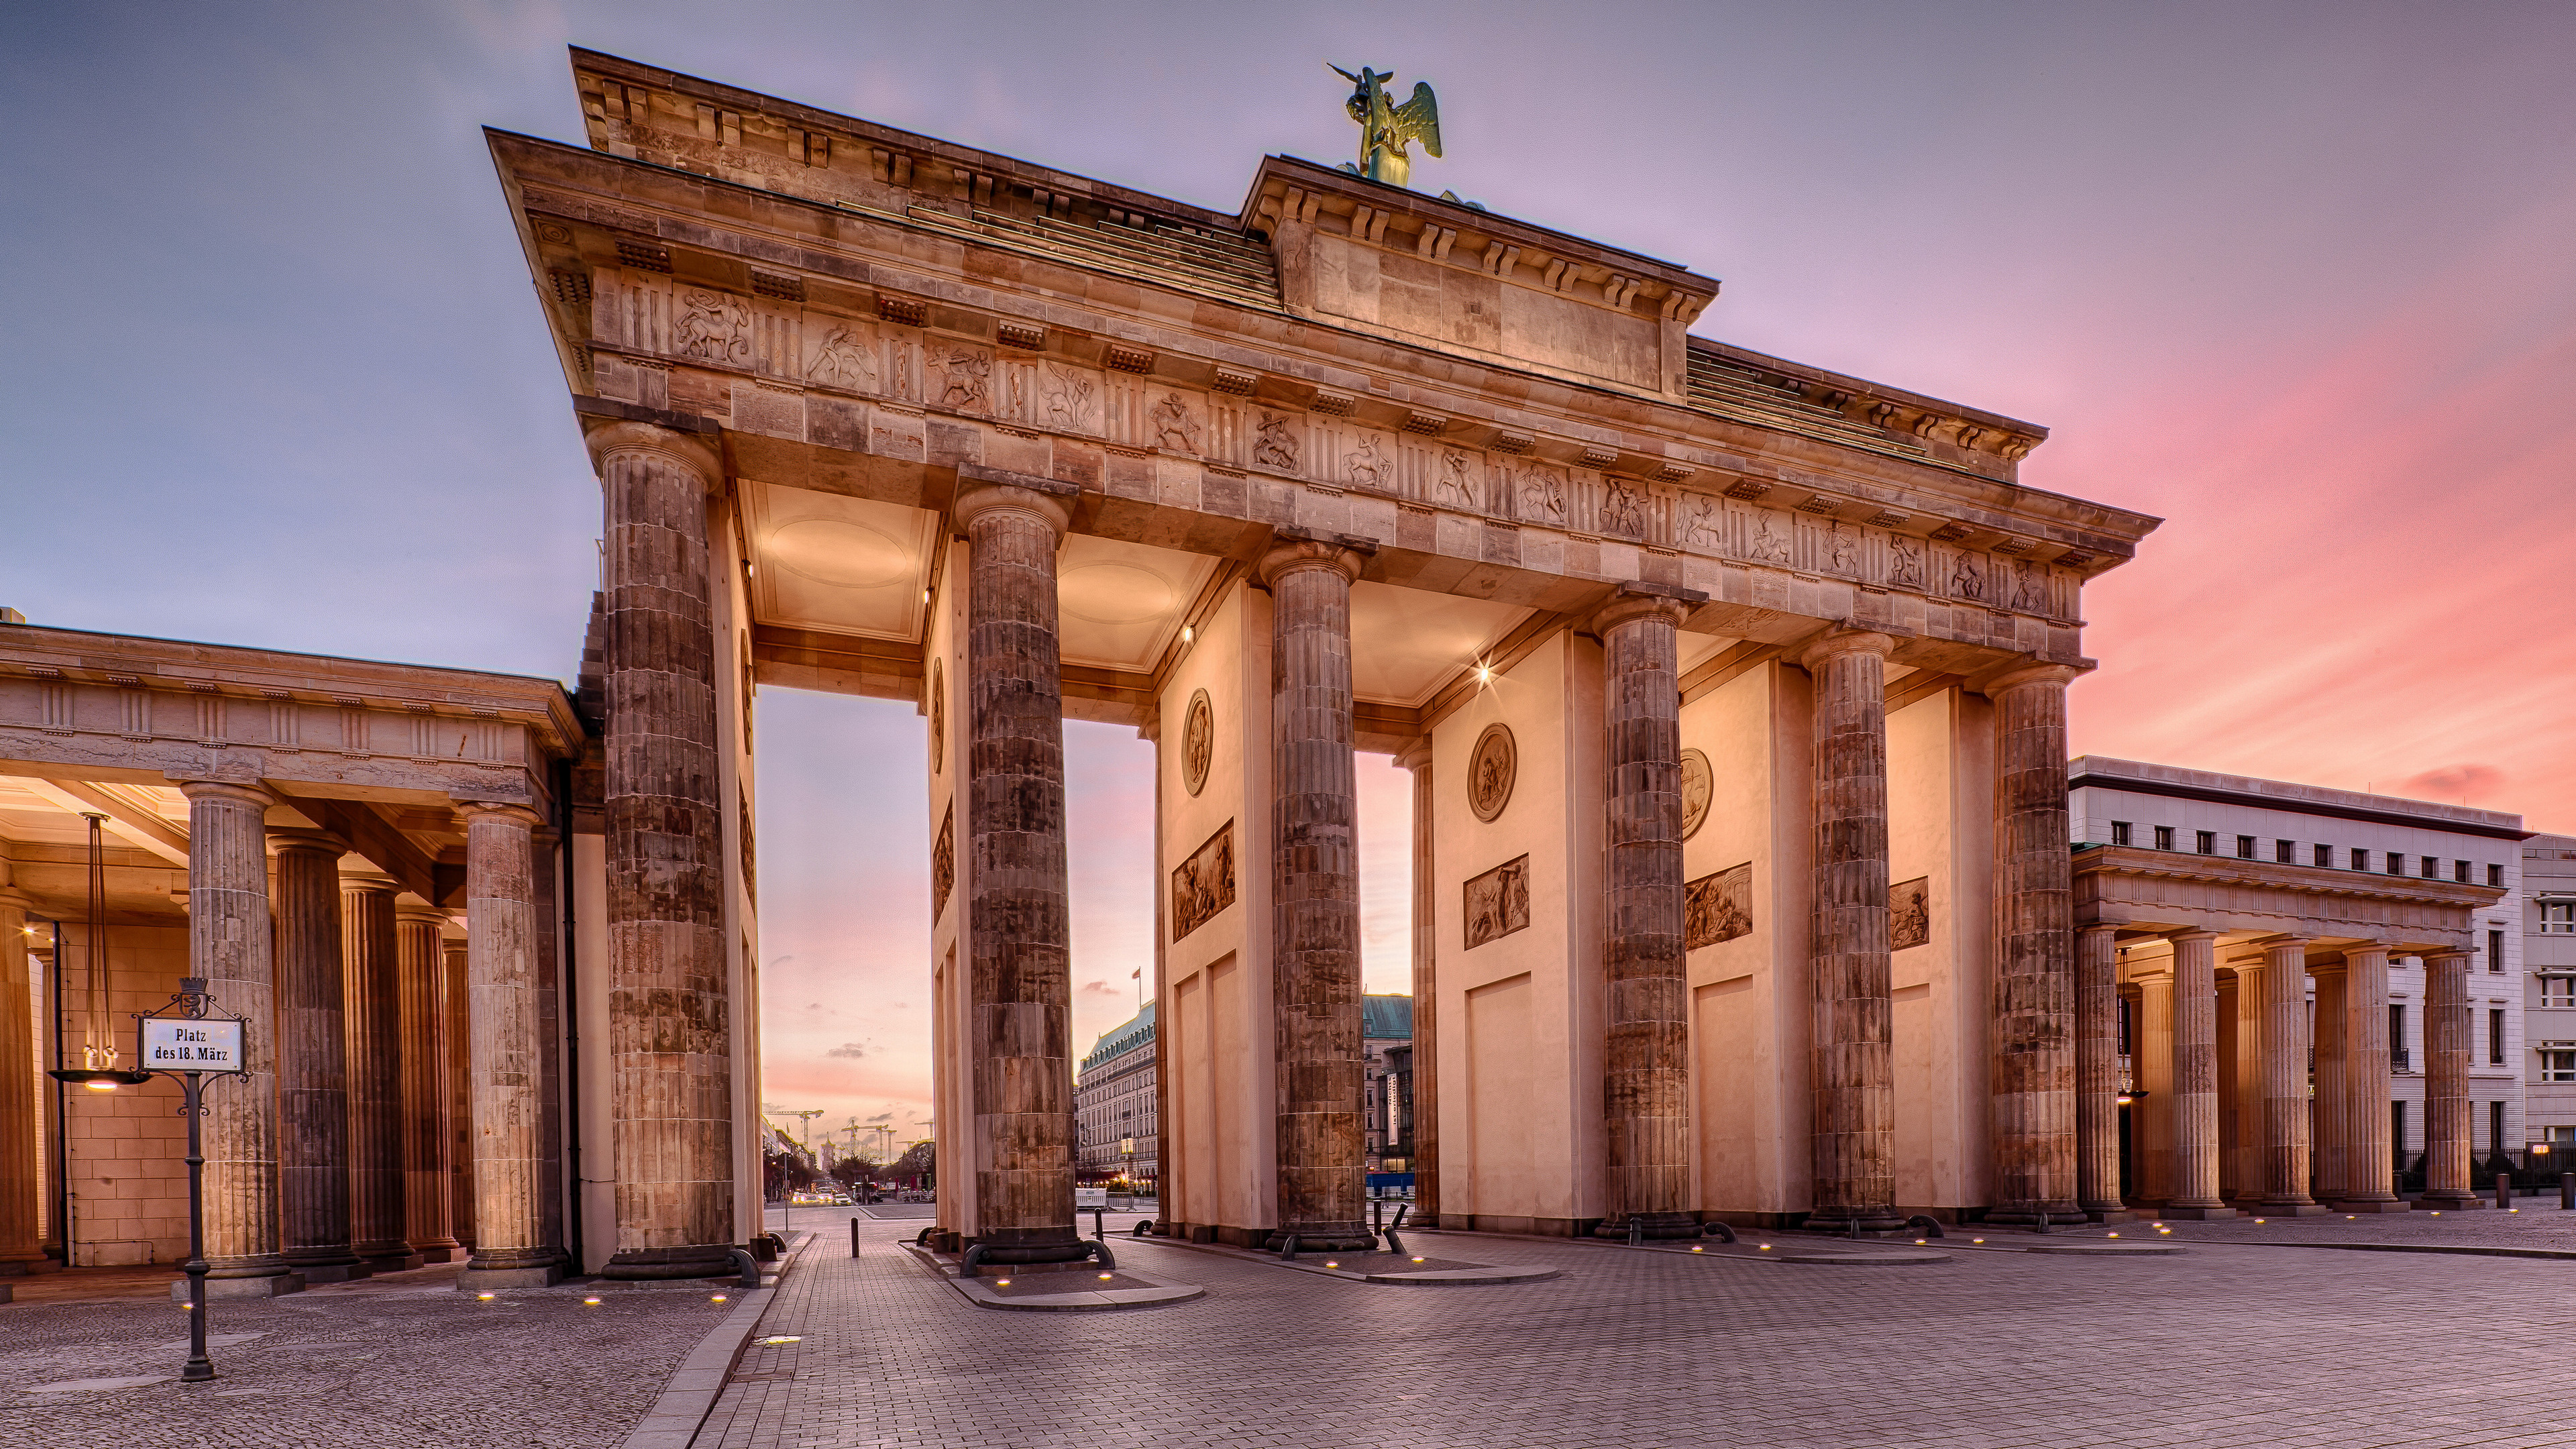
x=2298, y=278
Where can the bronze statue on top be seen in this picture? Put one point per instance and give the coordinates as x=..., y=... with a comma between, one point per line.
x=1386, y=128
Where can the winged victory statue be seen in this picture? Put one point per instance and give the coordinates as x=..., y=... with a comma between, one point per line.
x=1387, y=128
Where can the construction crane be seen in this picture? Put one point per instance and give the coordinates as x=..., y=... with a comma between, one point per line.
x=805, y=1127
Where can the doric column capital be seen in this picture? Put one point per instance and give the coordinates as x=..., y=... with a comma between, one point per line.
x=319, y=842
x=413, y=911
x=240, y=792
x=1842, y=639
x=2056, y=676
x=608, y=439
x=368, y=878
x=2194, y=934
x=991, y=490
x=1292, y=549
x=1636, y=600
x=510, y=810
x=15, y=900
x=2445, y=956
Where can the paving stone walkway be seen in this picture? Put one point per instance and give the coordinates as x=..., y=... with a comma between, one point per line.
x=2221, y=1346
x=404, y=1360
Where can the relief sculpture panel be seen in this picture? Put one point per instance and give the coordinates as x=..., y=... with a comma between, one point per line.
x=1718, y=907
x=1203, y=885
x=1909, y=914
x=1498, y=902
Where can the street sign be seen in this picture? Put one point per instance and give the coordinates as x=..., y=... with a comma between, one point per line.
x=1090, y=1197
x=190, y=1044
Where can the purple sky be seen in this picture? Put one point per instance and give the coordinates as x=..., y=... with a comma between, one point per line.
x=2296, y=276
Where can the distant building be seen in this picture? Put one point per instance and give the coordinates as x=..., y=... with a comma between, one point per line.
x=1114, y=1100
x=2547, y=905
x=1113, y=1103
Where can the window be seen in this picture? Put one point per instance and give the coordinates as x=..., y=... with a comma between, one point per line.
x=2558, y=918
x=2397, y=1127
x=2558, y=990
x=2432, y=868
x=2495, y=876
x=2495, y=952
x=2286, y=852
x=2460, y=871
x=2164, y=837
x=2558, y=1063
x=2558, y=1134
x=2245, y=847
x=2495, y=1038
x=2360, y=858
x=2396, y=863
x=2325, y=857
x=2495, y=1126
x=2397, y=1057
x=2207, y=841
x=2119, y=832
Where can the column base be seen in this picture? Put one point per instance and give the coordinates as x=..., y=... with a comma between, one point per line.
x=2375, y=1205
x=2032, y=1215
x=2429, y=1203
x=714, y=1260
x=21, y=1267
x=1651, y=1226
x=1323, y=1238
x=437, y=1250
x=334, y=1272
x=2122, y=1214
x=273, y=1285
x=1843, y=1220
x=2291, y=1210
x=488, y=1280
x=2210, y=1214
x=402, y=1262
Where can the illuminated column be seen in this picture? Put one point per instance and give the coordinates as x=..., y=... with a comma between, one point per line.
x=422, y=1030
x=22, y=1248
x=2195, y=1078
x=1854, y=1128
x=1426, y=990
x=460, y=1104
x=2446, y=1082
x=1315, y=901
x=312, y=1059
x=373, y=983
x=506, y=1074
x=230, y=948
x=2286, y=1141
x=670, y=1029
x=2151, y=1117
x=2097, y=1071
x=2034, y=981
x=1646, y=1061
x=2370, y=1169
x=1017, y=926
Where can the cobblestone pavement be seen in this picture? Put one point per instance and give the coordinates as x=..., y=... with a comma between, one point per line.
x=404, y=1360
x=2534, y=1222
x=2219, y=1346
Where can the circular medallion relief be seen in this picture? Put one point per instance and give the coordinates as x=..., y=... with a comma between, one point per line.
x=1490, y=768
x=938, y=719
x=1696, y=783
x=1198, y=741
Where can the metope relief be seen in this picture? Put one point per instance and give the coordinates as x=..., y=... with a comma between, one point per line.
x=1909, y=913
x=1203, y=885
x=1491, y=768
x=844, y=356
x=2030, y=587
x=1765, y=543
x=1698, y=784
x=1718, y=907
x=943, y=864
x=1904, y=562
x=1838, y=550
x=1367, y=465
x=1967, y=578
x=714, y=328
x=1275, y=444
x=1453, y=481
x=1498, y=902
x=964, y=379
x=1174, y=427
x=1198, y=742
x=1623, y=509
x=1069, y=399
x=1542, y=495
x=1703, y=524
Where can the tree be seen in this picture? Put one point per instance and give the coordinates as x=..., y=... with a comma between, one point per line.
x=914, y=1166
x=854, y=1170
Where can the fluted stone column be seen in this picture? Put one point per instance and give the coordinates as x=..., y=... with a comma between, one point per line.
x=2151, y=1117
x=2241, y=1094
x=2195, y=1078
x=2446, y=1083
x=1854, y=1128
x=1017, y=927
x=422, y=1031
x=505, y=1075
x=2034, y=982
x=1426, y=989
x=2287, y=1143
x=2370, y=1169
x=372, y=984
x=2325, y=1110
x=1646, y=1061
x=460, y=1104
x=545, y=873
x=670, y=1010
x=312, y=1060
x=22, y=1246
x=230, y=947
x=2097, y=1072
x=1315, y=899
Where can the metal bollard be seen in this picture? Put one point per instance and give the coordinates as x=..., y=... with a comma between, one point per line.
x=2504, y=1190
x=2567, y=1191
x=854, y=1237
